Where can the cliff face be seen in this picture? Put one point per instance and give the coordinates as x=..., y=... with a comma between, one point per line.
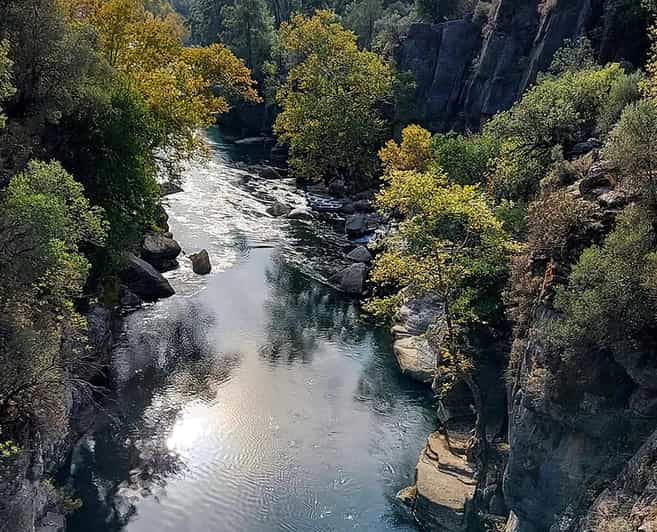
x=574, y=428
x=465, y=73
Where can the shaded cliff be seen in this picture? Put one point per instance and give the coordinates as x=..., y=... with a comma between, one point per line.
x=466, y=73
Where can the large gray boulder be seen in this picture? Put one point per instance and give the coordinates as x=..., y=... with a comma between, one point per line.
x=357, y=225
x=201, y=262
x=360, y=254
x=160, y=251
x=351, y=279
x=144, y=280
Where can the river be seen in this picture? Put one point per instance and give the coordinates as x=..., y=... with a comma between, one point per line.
x=256, y=398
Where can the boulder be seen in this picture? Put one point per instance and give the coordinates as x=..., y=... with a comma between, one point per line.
x=144, y=280
x=363, y=205
x=300, y=213
x=582, y=148
x=160, y=251
x=127, y=298
x=360, y=254
x=415, y=358
x=269, y=172
x=278, y=209
x=279, y=153
x=201, y=262
x=167, y=188
x=357, y=226
x=351, y=279
x=337, y=187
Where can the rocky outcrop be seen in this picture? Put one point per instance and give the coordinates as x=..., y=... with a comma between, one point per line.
x=360, y=254
x=630, y=502
x=575, y=425
x=144, y=280
x=444, y=486
x=411, y=348
x=465, y=74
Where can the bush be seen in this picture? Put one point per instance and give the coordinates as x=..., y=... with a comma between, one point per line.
x=632, y=144
x=608, y=303
x=466, y=160
x=558, y=111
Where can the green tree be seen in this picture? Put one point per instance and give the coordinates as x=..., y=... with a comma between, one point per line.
x=110, y=142
x=449, y=244
x=248, y=30
x=467, y=160
x=608, y=303
x=330, y=101
x=557, y=112
x=361, y=17
x=44, y=219
x=632, y=145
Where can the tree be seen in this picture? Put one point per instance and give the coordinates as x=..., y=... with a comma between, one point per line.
x=558, y=111
x=632, y=145
x=109, y=142
x=248, y=30
x=44, y=219
x=608, y=303
x=330, y=98
x=414, y=152
x=449, y=243
x=184, y=88
x=361, y=17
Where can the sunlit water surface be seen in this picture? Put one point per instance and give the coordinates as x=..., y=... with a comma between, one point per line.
x=257, y=398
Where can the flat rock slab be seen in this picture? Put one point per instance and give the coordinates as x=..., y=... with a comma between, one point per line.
x=445, y=484
x=415, y=357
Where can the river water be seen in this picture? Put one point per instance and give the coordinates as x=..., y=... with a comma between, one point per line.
x=256, y=398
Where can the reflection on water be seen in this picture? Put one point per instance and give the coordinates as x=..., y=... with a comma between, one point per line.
x=255, y=399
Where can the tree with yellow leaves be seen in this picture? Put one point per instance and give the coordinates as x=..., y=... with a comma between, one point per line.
x=449, y=244
x=185, y=88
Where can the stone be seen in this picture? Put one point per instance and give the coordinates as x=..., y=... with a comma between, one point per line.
x=127, y=298
x=201, y=262
x=160, y=251
x=269, y=172
x=279, y=153
x=348, y=208
x=357, y=226
x=168, y=188
x=582, y=148
x=337, y=187
x=445, y=485
x=417, y=314
x=300, y=213
x=363, y=205
x=360, y=254
x=144, y=280
x=599, y=177
x=415, y=358
x=407, y=496
x=352, y=279
x=278, y=209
